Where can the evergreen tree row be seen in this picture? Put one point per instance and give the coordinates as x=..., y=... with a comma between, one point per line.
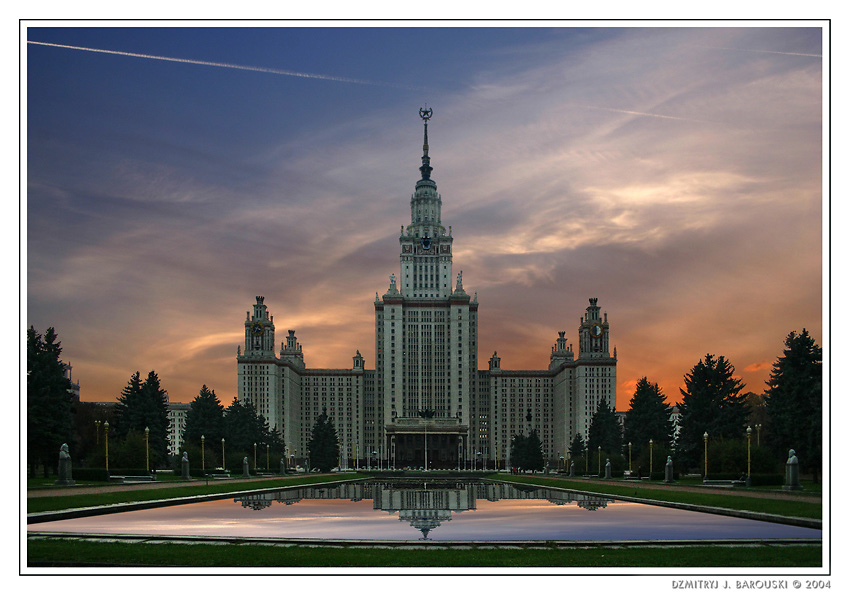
x=49, y=401
x=713, y=405
x=239, y=425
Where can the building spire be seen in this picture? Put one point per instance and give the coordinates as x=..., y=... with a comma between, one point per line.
x=425, y=113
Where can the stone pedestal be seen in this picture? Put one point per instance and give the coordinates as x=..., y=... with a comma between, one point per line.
x=184, y=467
x=607, y=468
x=282, y=467
x=572, y=469
x=245, y=468
x=792, y=472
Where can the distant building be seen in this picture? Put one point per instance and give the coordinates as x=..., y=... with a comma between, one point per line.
x=176, y=425
x=176, y=421
x=75, y=386
x=426, y=387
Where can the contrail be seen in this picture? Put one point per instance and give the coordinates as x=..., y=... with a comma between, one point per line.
x=634, y=113
x=716, y=47
x=338, y=79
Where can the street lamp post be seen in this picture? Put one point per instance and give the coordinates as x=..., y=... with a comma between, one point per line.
x=599, y=460
x=106, y=442
x=203, y=461
x=630, y=458
x=223, y=465
x=97, y=432
x=758, y=434
x=255, y=455
x=705, y=440
x=426, y=414
x=650, y=459
x=147, y=449
x=749, y=460
x=587, y=460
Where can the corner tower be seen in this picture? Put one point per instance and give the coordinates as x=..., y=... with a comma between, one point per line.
x=258, y=378
x=596, y=368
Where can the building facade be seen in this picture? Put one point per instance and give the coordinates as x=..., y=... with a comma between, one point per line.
x=426, y=394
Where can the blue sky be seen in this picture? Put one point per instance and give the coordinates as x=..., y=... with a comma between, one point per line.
x=675, y=174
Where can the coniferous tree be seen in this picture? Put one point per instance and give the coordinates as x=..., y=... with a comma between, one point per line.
x=205, y=418
x=577, y=447
x=49, y=402
x=712, y=403
x=129, y=407
x=794, y=401
x=243, y=427
x=648, y=418
x=323, y=445
x=144, y=404
x=605, y=430
x=518, y=450
x=533, y=452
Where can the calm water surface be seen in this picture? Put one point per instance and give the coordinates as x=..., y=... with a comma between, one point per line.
x=406, y=510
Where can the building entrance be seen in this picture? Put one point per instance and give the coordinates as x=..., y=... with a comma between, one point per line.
x=445, y=441
x=443, y=450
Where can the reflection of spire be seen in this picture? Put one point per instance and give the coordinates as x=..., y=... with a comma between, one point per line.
x=425, y=520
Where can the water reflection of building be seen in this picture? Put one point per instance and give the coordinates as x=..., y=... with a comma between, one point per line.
x=424, y=505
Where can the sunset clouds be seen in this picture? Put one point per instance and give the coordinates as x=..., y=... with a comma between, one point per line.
x=675, y=174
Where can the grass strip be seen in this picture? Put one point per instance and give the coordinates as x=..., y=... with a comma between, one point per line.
x=754, y=503
x=197, y=488
x=73, y=552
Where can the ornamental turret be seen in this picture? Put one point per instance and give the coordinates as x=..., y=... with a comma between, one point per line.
x=259, y=330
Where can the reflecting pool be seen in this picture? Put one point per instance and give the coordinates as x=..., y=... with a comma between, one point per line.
x=439, y=510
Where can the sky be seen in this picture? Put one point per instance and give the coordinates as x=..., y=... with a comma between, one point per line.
x=675, y=173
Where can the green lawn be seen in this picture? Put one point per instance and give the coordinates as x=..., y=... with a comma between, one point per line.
x=59, y=552
x=735, y=499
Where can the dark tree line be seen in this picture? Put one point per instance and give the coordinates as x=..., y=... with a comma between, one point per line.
x=239, y=425
x=527, y=452
x=794, y=401
x=713, y=404
x=143, y=404
x=50, y=404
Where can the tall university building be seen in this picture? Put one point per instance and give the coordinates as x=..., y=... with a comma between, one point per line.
x=426, y=387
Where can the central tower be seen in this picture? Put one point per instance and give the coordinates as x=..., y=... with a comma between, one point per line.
x=426, y=248
x=426, y=331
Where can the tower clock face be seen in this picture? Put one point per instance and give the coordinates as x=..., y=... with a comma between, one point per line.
x=596, y=330
x=257, y=329
x=426, y=243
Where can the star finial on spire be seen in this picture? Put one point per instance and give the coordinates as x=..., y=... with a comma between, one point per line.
x=425, y=113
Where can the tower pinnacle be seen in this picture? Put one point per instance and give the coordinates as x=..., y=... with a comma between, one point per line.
x=425, y=113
